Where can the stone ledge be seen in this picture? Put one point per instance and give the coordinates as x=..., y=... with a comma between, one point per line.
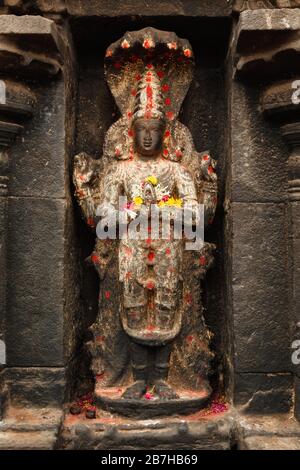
x=117, y=433
x=30, y=428
x=37, y=440
x=267, y=44
x=271, y=443
x=241, y=5
x=30, y=45
x=260, y=432
x=44, y=428
x=283, y=19
x=27, y=24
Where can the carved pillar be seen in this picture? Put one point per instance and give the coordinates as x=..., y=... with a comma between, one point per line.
x=278, y=105
x=291, y=133
x=16, y=105
x=35, y=207
x=266, y=56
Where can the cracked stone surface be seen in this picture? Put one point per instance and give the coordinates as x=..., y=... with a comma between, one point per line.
x=30, y=428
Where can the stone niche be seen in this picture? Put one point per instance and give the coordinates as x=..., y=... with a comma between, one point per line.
x=61, y=104
x=204, y=112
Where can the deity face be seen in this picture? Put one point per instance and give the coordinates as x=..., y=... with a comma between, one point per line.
x=148, y=136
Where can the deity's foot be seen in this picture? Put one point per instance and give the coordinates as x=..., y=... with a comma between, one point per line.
x=135, y=391
x=164, y=391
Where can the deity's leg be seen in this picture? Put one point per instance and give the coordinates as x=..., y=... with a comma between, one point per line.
x=160, y=375
x=139, y=363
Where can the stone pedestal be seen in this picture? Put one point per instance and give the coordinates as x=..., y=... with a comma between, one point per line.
x=194, y=432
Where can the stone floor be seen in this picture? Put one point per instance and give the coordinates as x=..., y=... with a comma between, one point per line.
x=36, y=429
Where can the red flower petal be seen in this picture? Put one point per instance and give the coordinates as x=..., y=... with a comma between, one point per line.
x=187, y=52
x=167, y=101
x=151, y=328
x=95, y=259
x=91, y=222
x=107, y=294
x=188, y=298
x=151, y=256
x=150, y=285
x=202, y=261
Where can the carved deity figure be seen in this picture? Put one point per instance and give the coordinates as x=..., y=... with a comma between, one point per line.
x=150, y=338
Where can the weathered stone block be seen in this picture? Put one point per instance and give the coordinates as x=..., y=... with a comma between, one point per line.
x=35, y=386
x=267, y=44
x=297, y=397
x=38, y=157
x=3, y=222
x=35, y=440
x=175, y=433
x=268, y=20
x=42, y=29
x=259, y=172
x=270, y=443
x=264, y=393
x=3, y=395
x=35, y=283
x=260, y=288
x=154, y=8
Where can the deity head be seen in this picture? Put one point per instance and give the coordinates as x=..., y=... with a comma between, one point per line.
x=148, y=136
x=148, y=116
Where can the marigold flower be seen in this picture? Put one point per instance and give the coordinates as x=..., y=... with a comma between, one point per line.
x=152, y=179
x=138, y=201
x=174, y=202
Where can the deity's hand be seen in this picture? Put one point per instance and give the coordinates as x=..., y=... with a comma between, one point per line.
x=84, y=173
x=208, y=168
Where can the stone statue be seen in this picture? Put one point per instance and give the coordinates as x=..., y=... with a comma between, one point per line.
x=151, y=345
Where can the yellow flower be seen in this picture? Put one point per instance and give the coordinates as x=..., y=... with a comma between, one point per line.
x=152, y=179
x=178, y=202
x=161, y=204
x=138, y=200
x=174, y=202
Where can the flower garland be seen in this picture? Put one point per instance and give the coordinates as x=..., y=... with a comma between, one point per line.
x=164, y=199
